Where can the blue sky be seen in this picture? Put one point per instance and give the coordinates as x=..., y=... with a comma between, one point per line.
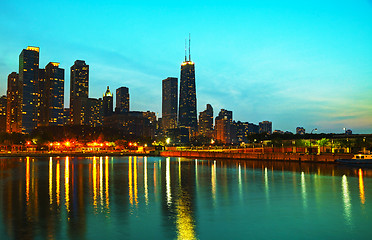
x=295, y=63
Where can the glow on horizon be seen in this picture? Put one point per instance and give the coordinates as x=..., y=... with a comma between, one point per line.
x=290, y=62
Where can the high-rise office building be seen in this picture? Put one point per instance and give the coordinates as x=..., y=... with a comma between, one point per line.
x=107, y=103
x=79, y=87
x=55, y=86
x=169, y=103
x=51, y=95
x=14, y=104
x=122, y=100
x=29, y=78
x=266, y=127
x=187, y=105
x=206, y=121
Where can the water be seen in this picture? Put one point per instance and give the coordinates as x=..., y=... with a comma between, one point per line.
x=177, y=198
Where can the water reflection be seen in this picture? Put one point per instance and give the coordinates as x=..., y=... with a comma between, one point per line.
x=346, y=199
x=361, y=187
x=70, y=197
x=303, y=189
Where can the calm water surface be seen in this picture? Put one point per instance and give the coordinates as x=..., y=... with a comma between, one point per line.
x=177, y=198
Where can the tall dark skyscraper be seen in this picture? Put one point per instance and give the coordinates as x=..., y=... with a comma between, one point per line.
x=14, y=104
x=107, y=103
x=187, y=106
x=122, y=100
x=79, y=87
x=29, y=78
x=169, y=103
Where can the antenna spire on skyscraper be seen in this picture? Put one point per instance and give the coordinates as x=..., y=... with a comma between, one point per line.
x=185, y=50
x=189, y=48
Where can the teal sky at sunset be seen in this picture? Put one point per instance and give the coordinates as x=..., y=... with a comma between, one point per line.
x=295, y=63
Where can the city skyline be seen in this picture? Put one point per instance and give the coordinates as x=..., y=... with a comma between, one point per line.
x=293, y=65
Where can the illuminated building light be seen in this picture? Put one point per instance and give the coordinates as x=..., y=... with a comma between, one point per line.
x=37, y=49
x=55, y=64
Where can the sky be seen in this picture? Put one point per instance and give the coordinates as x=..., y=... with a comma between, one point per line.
x=295, y=63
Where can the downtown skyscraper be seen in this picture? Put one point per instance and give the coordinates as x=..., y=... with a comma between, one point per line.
x=79, y=88
x=28, y=82
x=169, y=103
x=51, y=95
x=187, y=115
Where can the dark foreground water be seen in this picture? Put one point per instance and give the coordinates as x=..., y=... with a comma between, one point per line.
x=176, y=198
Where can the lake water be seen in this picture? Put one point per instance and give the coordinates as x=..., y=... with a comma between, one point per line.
x=178, y=198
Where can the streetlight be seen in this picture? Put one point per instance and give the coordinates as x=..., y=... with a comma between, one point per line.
x=315, y=129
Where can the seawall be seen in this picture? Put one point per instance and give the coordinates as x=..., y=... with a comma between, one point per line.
x=324, y=157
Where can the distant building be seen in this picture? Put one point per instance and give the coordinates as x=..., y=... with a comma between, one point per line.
x=278, y=131
x=51, y=95
x=122, y=100
x=187, y=105
x=243, y=129
x=300, y=130
x=79, y=88
x=151, y=116
x=29, y=78
x=136, y=124
x=206, y=121
x=253, y=128
x=91, y=112
x=3, y=103
x=223, y=127
x=14, y=104
x=348, y=132
x=225, y=114
x=108, y=103
x=169, y=103
x=265, y=127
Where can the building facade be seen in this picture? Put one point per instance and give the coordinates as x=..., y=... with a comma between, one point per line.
x=91, y=112
x=79, y=88
x=29, y=78
x=169, y=103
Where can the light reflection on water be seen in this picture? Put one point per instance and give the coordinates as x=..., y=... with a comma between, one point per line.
x=99, y=197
